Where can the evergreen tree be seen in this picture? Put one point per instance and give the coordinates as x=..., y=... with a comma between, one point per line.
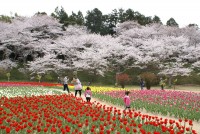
x=94, y=20
x=193, y=25
x=80, y=18
x=5, y=18
x=76, y=18
x=130, y=15
x=156, y=19
x=122, y=15
x=172, y=22
x=61, y=15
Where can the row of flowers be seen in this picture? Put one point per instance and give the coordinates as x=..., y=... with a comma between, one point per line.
x=46, y=84
x=68, y=114
x=175, y=103
x=26, y=91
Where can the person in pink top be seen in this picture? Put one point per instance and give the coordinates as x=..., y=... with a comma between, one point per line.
x=127, y=101
x=88, y=94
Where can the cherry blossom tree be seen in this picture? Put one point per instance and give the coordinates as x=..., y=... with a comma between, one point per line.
x=43, y=45
x=76, y=50
x=161, y=45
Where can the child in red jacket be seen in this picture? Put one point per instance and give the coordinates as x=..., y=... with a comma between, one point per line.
x=88, y=94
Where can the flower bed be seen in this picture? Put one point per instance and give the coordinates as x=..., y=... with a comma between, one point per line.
x=26, y=91
x=45, y=112
x=46, y=84
x=67, y=114
x=177, y=103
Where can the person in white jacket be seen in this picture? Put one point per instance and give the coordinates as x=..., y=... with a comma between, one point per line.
x=77, y=86
x=65, y=84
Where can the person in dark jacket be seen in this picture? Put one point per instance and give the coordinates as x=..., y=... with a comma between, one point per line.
x=141, y=84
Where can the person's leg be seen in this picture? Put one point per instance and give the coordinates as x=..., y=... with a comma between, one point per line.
x=76, y=92
x=64, y=87
x=67, y=88
x=129, y=109
x=89, y=99
x=125, y=108
x=80, y=92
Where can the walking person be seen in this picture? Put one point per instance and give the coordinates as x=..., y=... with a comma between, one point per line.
x=88, y=94
x=141, y=84
x=89, y=83
x=77, y=86
x=127, y=101
x=162, y=83
x=59, y=81
x=65, y=84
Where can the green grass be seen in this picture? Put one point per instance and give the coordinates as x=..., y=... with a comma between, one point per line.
x=189, y=88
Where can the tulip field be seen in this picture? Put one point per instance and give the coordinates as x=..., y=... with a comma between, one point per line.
x=175, y=103
x=43, y=110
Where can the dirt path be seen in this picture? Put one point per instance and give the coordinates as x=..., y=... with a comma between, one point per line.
x=196, y=125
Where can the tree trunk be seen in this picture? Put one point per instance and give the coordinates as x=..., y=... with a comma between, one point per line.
x=170, y=81
x=148, y=84
x=95, y=78
x=116, y=81
x=123, y=85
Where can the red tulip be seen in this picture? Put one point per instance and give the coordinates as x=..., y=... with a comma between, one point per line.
x=45, y=129
x=134, y=130
x=128, y=129
x=139, y=125
x=8, y=130
x=17, y=129
x=28, y=131
x=108, y=131
x=172, y=132
x=101, y=132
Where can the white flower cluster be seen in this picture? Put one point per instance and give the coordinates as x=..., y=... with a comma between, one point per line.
x=26, y=91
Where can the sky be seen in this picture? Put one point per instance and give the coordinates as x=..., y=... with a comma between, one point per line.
x=183, y=11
